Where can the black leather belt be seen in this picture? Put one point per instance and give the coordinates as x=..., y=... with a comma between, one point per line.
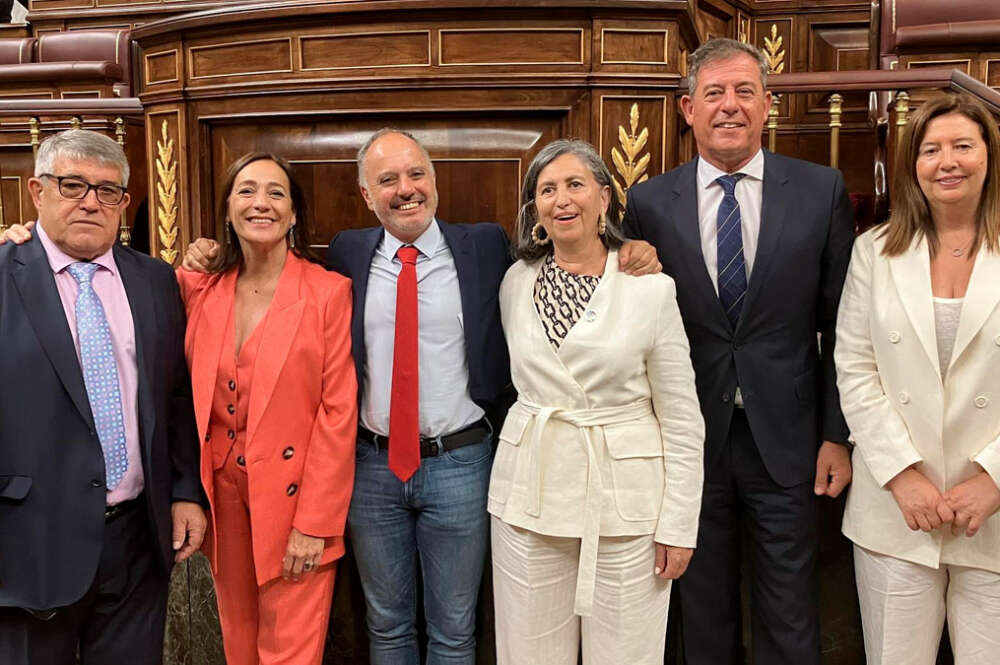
x=434, y=446
x=111, y=513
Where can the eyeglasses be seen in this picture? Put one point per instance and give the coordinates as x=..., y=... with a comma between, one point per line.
x=75, y=188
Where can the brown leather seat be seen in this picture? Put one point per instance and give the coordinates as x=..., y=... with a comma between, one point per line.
x=93, y=45
x=934, y=23
x=16, y=51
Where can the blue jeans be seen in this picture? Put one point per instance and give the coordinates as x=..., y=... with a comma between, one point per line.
x=439, y=514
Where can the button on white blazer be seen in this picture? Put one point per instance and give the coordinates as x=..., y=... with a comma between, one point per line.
x=606, y=437
x=899, y=410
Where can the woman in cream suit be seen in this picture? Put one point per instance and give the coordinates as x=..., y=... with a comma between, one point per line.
x=918, y=366
x=596, y=486
x=268, y=342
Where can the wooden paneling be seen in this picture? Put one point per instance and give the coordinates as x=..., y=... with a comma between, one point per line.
x=479, y=159
x=716, y=18
x=634, y=47
x=365, y=50
x=263, y=56
x=992, y=77
x=633, y=145
x=532, y=46
x=838, y=47
x=17, y=167
x=162, y=67
x=775, y=37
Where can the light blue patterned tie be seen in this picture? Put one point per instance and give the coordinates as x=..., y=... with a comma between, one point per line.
x=732, y=267
x=100, y=373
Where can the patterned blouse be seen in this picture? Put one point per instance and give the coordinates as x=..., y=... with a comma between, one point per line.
x=561, y=298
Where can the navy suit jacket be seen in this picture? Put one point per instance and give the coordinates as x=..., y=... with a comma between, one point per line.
x=789, y=389
x=52, y=492
x=482, y=256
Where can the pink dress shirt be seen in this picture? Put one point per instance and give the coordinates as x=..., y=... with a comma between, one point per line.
x=107, y=283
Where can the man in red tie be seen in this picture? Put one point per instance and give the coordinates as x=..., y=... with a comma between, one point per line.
x=432, y=371
x=432, y=363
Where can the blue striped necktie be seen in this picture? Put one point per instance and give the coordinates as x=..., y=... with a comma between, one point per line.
x=100, y=373
x=732, y=266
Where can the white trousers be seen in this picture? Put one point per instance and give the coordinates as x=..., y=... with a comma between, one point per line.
x=904, y=605
x=534, y=585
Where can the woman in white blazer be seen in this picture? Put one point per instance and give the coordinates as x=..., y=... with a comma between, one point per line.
x=918, y=367
x=596, y=486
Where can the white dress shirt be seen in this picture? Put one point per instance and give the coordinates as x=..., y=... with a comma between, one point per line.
x=445, y=403
x=749, y=195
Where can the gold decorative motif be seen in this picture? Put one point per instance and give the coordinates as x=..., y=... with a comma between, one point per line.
x=902, y=107
x=772, y=123
x=35, y=129
x=630, y=169
x=166, y=192
x=123, y=231
x=836, y=108
x=76, y=122
x=775, y=56
x=744, y=30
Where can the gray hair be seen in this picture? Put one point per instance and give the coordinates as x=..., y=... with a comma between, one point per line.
x=524, y=246
x=363, y=151
x=80, y=145
x=722, y=48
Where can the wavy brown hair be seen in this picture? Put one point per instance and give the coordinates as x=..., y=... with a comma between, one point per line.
x=231, y=254
x=910, y=217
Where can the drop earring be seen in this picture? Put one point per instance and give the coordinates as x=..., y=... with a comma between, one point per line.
x=535, y=234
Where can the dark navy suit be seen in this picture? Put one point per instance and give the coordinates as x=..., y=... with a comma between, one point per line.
x=52, y=493
x=759, y=461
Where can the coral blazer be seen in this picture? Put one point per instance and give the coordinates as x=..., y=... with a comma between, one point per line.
x=303, y=397
x=901, y=412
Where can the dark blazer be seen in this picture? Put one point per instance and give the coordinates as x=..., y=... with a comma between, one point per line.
x=482, y=256
x=789, y=390
x=52, y=492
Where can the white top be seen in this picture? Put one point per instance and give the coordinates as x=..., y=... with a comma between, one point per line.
x=445, y=402
x=946, y=314
x=749, y=195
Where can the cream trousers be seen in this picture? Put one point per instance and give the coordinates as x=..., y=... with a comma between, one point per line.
x=904, y=605
x=534, y=585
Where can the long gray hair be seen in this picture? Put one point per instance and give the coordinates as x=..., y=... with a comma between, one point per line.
x=524, y=245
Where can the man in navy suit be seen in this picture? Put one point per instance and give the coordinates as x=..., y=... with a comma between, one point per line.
x=99, y=484
x=758, y=245
x=436, y=512
x=444, y=388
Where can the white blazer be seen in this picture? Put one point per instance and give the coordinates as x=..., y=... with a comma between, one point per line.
x=901, y=413
x=606, y=435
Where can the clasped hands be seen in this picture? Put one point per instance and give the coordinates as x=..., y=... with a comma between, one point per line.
x=965, y=506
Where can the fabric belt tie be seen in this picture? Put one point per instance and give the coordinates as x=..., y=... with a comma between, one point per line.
x=583, y=420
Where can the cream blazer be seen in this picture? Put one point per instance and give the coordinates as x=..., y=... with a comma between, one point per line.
x=606, y=436
x=897, y=407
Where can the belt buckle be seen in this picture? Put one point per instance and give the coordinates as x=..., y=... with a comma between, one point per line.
x=436, y=446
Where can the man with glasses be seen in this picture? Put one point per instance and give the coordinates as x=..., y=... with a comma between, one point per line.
x=99, y=484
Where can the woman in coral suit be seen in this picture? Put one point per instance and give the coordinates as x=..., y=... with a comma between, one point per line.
x=268, y=343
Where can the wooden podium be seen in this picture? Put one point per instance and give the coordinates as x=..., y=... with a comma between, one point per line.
x=483, y=84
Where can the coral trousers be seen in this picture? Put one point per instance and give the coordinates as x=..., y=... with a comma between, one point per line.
x=281, y=622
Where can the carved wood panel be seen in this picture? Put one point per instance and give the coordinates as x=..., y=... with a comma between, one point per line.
x=479, y=159
x=837, y=45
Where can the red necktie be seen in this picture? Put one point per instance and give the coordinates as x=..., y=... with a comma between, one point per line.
x=404, y=408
